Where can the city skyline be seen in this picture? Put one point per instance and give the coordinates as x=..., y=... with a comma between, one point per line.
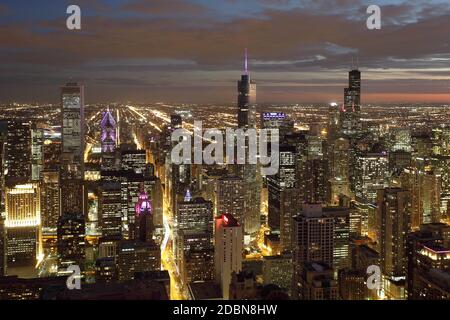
x=108, y=193
x=191, y=50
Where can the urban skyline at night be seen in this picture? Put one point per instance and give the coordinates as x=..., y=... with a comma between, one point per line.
x=225, y=150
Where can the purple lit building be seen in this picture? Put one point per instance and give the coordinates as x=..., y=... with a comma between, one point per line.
x=108, y=126
x=144, y=217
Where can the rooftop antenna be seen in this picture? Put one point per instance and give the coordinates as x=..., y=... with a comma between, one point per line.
x=246, y=62
x=357, y=62
x=353, y=63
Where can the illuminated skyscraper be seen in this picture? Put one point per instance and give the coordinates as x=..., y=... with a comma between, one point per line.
x=394, y=218
x=108, y=139
x=142, y=253
x=442, y=167
x=144, y=219
x=276, y=184
x=341, y=235
x=246, y=99
x=52, y=148
x=313, y=235
x=249, y=217
x=18, y=153
x=71, y=193
x=133, y=160
x=71, y=241
x=372, y=170
x=314, y=166
x=429, y=262
x=136, y=256
x=425, y=188
x=193, y=243
x=350, y=111
x=37, y=152
x=278, y=270
x=277, y=120
x=350, y=125
x=108, y=126
x=23, y=223
x=110, y=208
x=50, y=201
x=72, y=97
x=230, y=196
x=401, y=139
x=333, y=126
x=228, y=246
x=2, y=246
x=441, y=141
x=72, y=157
x=339, y=169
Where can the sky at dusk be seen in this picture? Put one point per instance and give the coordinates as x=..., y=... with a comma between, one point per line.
x=192, y=50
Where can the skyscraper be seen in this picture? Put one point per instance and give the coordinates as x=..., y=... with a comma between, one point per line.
x=110, y=208
x=350, y=111
x=108, y=126
x=394, y=218
x=71, y=241
x=37, y=152
x=341, y=235
x=18, y=153
x=371, y=170
x=71, y=194
x=338, y=179
x=50, y=201
x=140, y=254
x=425, y=188
x=313, y=234
x=276, y=184
x=277, y=120
x=246, y=98
x=248, y=172
x=136, y=256
x=314, y=164
x=108, y=140
x=429, y=262
x=228, y=248
x=230, y=196
x=278, y=270
x=23, y=224
x=144, y=221
x=73, y=122
x=193, y=243
x=72, y=157
x=2, y=246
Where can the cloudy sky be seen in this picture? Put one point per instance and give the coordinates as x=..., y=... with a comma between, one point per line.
x=192, y=50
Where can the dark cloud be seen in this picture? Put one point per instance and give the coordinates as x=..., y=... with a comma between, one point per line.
x=163, y=6
x=320, y=41
x=3, y=9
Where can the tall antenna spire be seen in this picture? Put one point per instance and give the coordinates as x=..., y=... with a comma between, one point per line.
x=357, y=62
x=353, y=63
x=246, y=62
